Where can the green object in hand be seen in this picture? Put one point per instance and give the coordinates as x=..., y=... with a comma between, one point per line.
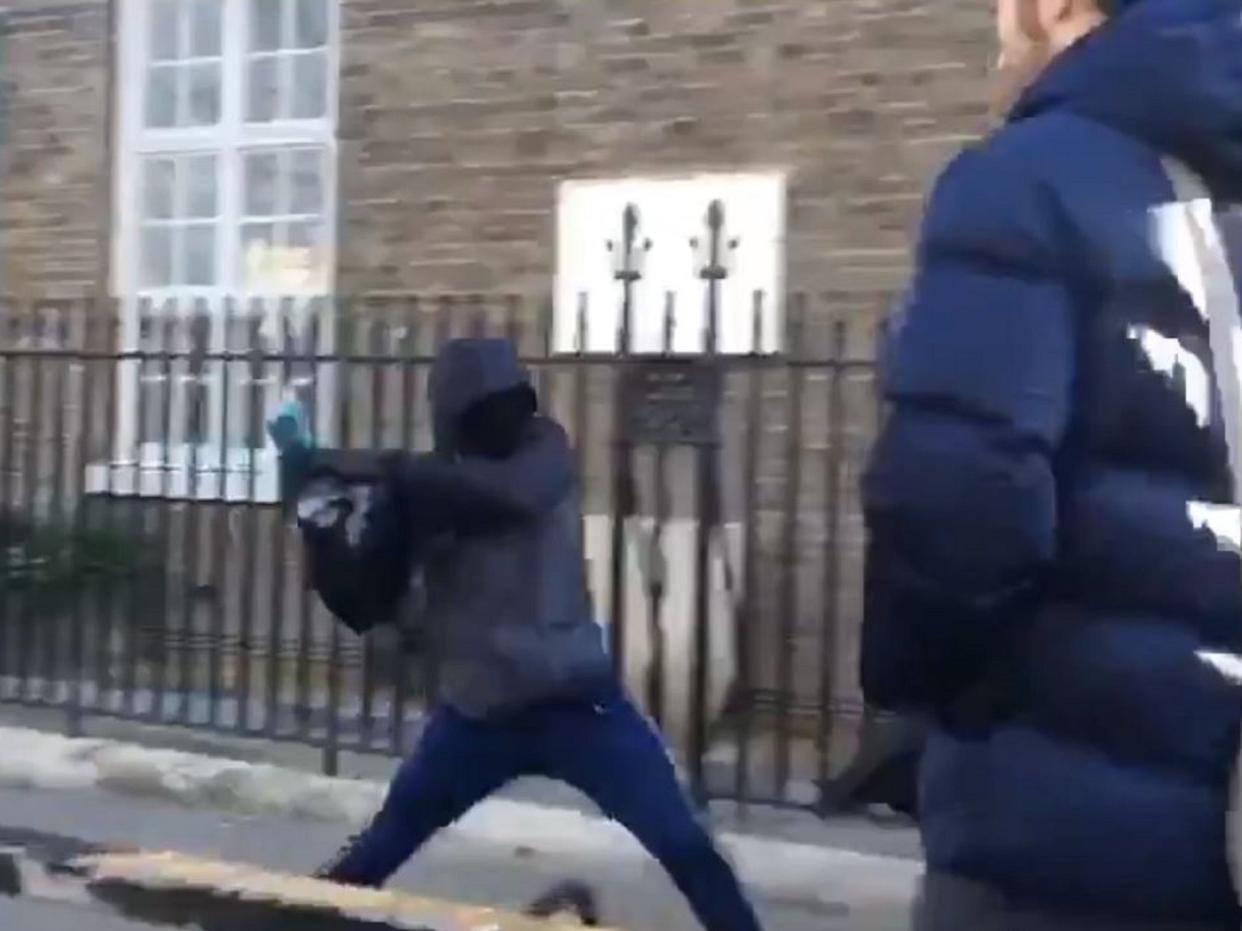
x=288, y=428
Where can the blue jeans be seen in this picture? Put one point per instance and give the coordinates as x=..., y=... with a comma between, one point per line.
x=608, y=751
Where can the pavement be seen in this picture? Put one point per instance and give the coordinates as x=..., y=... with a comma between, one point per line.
x=634, y=894
x=29, y=915
x=804, y=874
x=181, y=890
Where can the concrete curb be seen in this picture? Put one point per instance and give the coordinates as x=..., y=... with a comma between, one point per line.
x=32, y=759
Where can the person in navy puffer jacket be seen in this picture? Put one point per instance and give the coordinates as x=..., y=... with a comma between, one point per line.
x=1053, y=574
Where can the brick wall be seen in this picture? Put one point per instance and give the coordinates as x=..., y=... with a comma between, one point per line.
x=54, y=148
x=460, y=118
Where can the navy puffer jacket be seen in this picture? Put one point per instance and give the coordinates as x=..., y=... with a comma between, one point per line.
x=1053, y=567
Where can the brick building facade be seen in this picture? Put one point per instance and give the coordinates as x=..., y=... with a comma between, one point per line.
x=446, y=130
x=458, y=120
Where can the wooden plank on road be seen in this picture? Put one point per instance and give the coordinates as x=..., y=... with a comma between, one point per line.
x=176, y=872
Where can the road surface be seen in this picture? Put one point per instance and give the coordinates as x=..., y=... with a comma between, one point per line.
x=635, y=896
x=21, y=915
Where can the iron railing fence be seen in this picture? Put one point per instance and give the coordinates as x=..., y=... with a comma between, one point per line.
x=147, y=571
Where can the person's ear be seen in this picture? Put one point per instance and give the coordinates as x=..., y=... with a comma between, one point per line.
x=1031, y=19
x=1054, y=13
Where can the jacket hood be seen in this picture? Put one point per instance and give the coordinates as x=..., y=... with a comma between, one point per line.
x=467, y=371
x=1168, y=72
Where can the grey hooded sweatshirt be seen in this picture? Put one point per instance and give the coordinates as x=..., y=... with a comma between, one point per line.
x=498, y=541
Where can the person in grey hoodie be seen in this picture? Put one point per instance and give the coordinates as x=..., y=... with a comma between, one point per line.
x=492, y=520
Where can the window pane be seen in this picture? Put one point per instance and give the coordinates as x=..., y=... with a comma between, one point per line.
x=301, y=340
x=303, y=267
x=204, y=95
x=245, y=406
x=265, y=20
x=205, y=28
x=165, y=30
x=306, y=182
x=246, y=401
x=200, y=254
x=264, y=90
x=153, y=383
x=197, y=396
x=157, y=256
x=159, y=183
x=312, y=23
x=199, y=175
x=257, y=239
x=162, y=97
x=310, y=86
x=303, y=234
x=262, y=176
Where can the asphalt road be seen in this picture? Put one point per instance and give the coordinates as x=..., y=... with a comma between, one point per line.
x=635, y=896
x=21, y=915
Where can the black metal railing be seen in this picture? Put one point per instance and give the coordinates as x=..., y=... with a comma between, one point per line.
x=147, y=570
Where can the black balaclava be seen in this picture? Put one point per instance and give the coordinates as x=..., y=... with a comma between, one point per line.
x=494, y=426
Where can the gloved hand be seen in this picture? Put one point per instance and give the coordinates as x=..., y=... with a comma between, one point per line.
x=289, y=429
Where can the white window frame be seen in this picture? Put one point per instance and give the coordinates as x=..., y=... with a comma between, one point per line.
x=672, y=211
x=163, y=469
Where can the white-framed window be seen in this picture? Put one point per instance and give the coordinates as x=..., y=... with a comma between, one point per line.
x=224, y=235
x=672, y=213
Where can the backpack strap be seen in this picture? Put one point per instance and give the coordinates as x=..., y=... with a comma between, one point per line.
x=1216, y=294
x=1215, y=291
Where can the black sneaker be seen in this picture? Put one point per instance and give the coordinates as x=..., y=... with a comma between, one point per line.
x=572, y=897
